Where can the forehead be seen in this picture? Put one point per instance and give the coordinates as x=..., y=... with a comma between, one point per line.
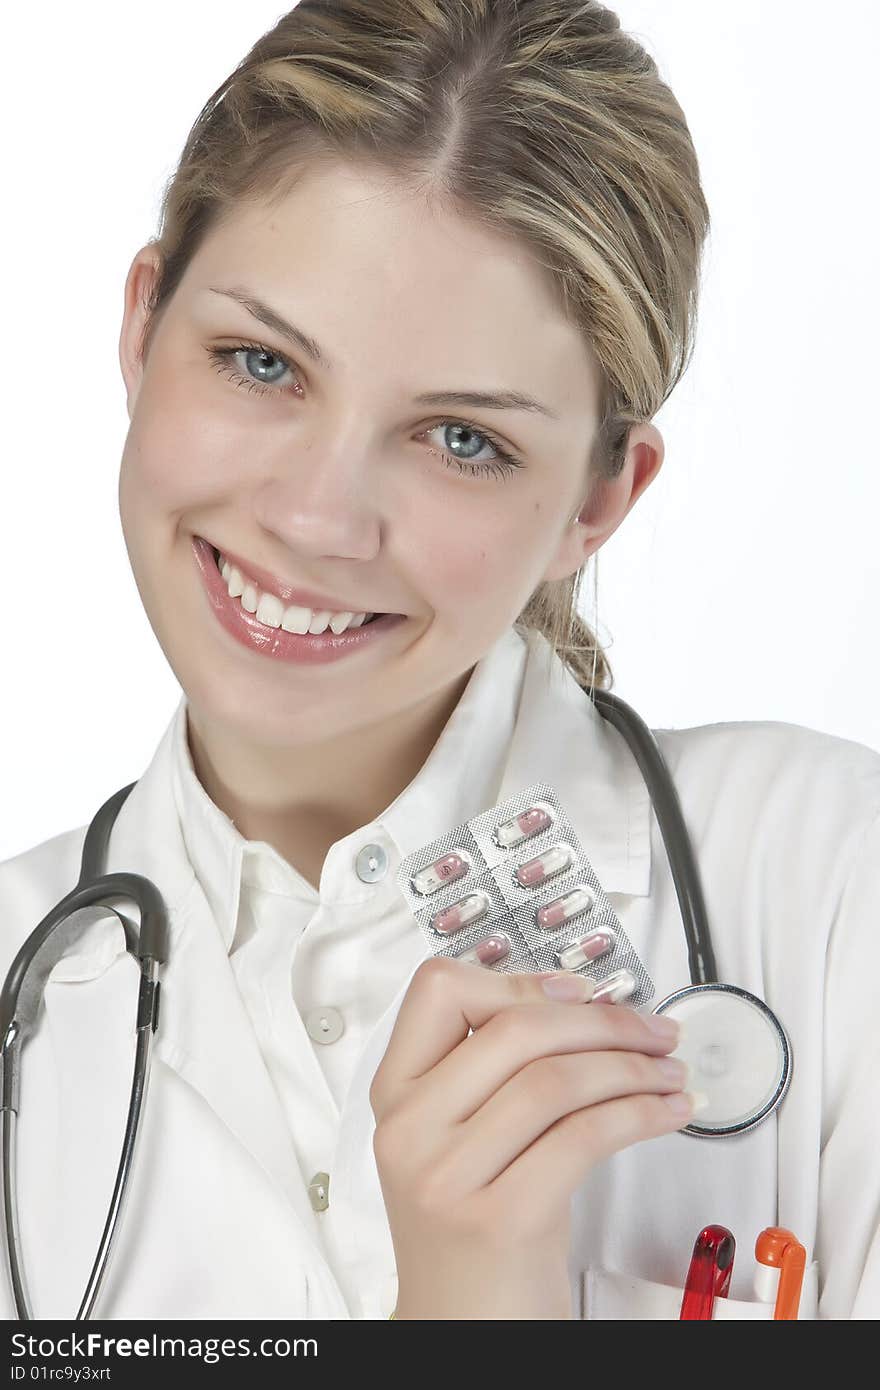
x=367, y=264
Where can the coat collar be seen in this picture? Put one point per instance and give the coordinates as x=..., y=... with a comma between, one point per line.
x=522, y=712
x=476, y=737
x=561, y=739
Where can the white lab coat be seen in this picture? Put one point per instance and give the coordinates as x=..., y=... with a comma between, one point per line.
x=218, y=1224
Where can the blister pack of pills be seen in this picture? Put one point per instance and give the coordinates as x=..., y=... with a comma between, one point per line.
x=513, y=890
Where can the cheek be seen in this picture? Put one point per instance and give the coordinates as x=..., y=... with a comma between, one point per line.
x=486, y=559
x=182, y=449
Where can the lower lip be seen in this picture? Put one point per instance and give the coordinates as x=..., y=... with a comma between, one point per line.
x=274, y=641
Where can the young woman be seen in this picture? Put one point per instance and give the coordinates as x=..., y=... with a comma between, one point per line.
x=425, y=274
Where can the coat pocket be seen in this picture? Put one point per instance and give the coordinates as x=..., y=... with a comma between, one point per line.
x=609, y=1294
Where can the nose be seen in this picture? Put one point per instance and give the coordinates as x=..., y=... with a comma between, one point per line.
x=323, y=502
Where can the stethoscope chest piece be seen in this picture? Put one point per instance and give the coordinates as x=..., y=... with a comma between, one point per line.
x=738, y=1052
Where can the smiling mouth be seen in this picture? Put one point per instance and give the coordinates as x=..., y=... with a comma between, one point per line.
x=371, y=619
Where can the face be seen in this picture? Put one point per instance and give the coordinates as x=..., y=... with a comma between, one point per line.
x=332, y=476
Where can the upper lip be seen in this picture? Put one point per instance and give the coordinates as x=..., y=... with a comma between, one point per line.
x=271, y=584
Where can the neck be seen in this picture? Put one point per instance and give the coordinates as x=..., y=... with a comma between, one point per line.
x=302, y=799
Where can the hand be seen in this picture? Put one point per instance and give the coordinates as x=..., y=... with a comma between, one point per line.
x=481, y=1138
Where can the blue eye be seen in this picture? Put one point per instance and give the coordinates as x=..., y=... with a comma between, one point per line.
x=503, y=465
x=223, y=357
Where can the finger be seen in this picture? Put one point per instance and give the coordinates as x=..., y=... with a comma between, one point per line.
x=517, y=1036
x=445, y=999
x=543, y=1093
x=576, y=1143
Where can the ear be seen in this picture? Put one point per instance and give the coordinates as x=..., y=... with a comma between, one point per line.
x=138, y=288
x=608, y=502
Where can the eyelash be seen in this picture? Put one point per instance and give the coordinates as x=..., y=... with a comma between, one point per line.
x=506, y=463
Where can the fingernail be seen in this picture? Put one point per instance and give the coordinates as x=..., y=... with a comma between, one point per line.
x=679, y=1073
x=680, y=1103
x=686, y=1102
x=571, y=989
x=666, y=1028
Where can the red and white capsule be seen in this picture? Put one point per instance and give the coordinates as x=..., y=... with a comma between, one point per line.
x=615, y=988
x=521, y=827
x=489, y=951
x=590, y=947
x=461, y=914
x=537, y=871
x=434, y=876
x=561, y=910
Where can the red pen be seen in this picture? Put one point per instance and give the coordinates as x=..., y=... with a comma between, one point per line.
x=780, y=1274
x=709, y=1273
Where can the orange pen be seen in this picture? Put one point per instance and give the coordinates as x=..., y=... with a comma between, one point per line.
x=781, y=1263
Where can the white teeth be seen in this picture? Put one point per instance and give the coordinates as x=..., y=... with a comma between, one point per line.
x=296, y=619
x=270, y=610
x=250, y=598
x=340, y=621
x=320, y=619
x=234, y=580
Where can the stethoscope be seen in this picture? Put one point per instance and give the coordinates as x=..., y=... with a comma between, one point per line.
x=738, y=1051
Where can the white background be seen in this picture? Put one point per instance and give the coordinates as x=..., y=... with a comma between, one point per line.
x=744, y=583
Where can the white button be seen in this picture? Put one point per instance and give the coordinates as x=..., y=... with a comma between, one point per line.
x=319, y=1191
x=371, y=864
x=324, y=1024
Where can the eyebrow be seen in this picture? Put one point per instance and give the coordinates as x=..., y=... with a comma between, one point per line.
x=488, y=400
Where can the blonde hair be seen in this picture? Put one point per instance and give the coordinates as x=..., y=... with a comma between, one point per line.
x=539, y=118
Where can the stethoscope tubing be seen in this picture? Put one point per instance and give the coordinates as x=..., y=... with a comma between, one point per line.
x=676, y=840
x=8, y=1126
x=148, y=1002
x=149, y=944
